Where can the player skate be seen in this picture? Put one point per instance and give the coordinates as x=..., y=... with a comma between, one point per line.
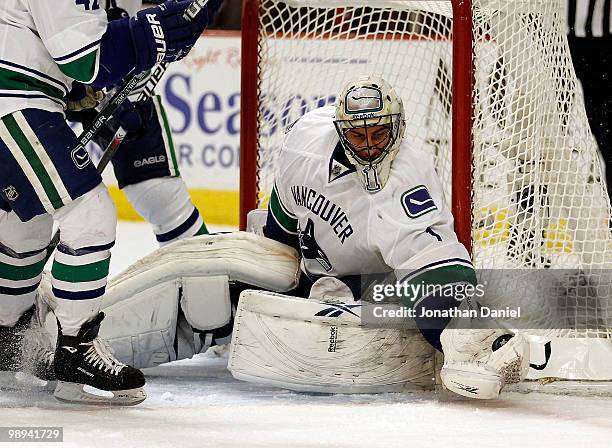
x=85, y=361
x=479, y=362
x=26, y=347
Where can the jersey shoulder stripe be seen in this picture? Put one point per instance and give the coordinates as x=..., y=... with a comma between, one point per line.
x=285, y=219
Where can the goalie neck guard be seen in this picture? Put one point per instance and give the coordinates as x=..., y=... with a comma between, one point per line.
x=370, y=122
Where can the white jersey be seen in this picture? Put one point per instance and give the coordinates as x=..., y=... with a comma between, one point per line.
x=44, y=46
x=344, y=230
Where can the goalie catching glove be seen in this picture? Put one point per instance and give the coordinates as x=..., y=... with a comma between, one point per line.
x=479, y=362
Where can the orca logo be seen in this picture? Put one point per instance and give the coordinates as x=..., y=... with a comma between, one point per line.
x=547, y=353
x=310, y=248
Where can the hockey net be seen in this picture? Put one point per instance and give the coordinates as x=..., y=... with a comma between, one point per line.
x=490, y=92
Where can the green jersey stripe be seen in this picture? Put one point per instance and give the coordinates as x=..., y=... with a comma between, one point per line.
x=83, y=69
x=436, y=279
x=25, y=166
x=10, y=272
x=84, y=273
x=166, y=133
x=286, y=221
x=37, y=165
x=52, y=172
x=12, y=80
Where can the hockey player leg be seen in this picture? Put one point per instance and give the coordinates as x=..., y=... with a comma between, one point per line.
x=24, y=346
x=147, y=171
x=80, y=267
x=165, y=203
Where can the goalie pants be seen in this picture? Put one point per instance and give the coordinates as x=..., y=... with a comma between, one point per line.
x=592, y=58
x=146, y=169
x=42, y=179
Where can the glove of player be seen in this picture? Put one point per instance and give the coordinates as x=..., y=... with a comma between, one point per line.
x=161, y=34
x=129, y=118
x=83, y=97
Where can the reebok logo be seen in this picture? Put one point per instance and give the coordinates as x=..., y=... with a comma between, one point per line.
x=70, y=349
x=333, y=339
x=158, y=35
x=149, y=161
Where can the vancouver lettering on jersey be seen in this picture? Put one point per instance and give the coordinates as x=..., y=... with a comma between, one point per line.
x=324, y=209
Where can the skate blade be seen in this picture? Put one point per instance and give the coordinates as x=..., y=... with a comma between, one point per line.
x=82, y=394
x=20, y=381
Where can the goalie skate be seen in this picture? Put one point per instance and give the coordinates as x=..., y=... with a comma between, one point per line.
x=87, y=371
x=478, y=363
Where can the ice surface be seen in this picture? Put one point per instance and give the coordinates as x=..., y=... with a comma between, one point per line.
x=196, y=403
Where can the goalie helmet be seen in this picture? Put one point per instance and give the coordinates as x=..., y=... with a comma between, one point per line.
x=370, y=121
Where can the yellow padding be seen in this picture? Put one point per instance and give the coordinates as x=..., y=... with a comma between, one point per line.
x=216, y=206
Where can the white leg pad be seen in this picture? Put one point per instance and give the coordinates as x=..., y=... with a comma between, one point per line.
x=210, y=310
x=295, y=344
x=143, y=324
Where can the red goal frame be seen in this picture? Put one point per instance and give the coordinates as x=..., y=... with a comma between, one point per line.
x=462, y=84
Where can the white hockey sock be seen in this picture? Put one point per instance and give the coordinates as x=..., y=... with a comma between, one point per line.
x=165, y=203
x=22, y=254
x=81, y=263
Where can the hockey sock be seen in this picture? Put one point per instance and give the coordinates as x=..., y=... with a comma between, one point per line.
x=81, y=262
x=22, y=255
x=165, y=203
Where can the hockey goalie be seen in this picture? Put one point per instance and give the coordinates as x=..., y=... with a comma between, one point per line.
x=352, y=201
x=355, y=199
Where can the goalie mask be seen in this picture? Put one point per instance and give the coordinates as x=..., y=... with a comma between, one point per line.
x=370, y=123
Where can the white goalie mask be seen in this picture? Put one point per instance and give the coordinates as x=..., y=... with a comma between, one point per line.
x=370, y=121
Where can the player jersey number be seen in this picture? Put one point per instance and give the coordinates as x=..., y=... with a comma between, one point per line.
x=90, y=5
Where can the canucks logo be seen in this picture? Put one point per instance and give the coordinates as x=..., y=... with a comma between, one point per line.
x=310, y=248
x=417, y=202
x=80, y=157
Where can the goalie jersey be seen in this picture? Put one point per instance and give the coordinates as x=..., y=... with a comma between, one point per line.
x=44, y=46
x=319, y=206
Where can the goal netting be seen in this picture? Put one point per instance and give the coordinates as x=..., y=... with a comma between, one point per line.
x=490, y=92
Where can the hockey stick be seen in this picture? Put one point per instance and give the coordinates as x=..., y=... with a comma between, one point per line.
x=120, y=133
x=113, y=104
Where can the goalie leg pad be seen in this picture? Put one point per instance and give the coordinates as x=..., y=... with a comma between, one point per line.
x=142, y=303
x=313, y=346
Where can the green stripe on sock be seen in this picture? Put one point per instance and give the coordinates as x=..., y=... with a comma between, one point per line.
x=10, y=272
x=287, y=222
x=168, y=135
x=34, y=161
x=81, y=273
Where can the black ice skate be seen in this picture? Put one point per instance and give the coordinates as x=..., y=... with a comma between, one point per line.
x=26, y=347
x=87, y=372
